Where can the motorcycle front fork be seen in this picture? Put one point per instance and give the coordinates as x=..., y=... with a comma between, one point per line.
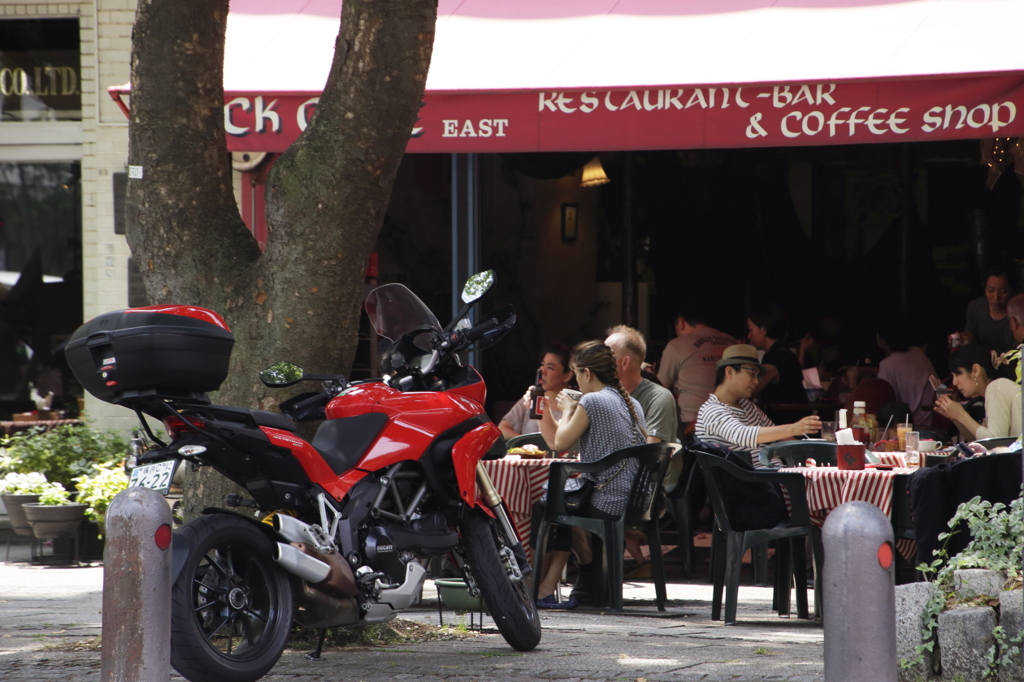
x=494, y=502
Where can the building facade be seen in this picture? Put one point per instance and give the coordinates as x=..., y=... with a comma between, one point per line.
x=90, y=141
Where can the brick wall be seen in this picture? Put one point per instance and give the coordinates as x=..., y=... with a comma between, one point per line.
x=105, y=27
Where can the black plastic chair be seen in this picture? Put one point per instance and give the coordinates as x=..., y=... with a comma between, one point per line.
x=796, y=452
x=730, y=543
x=991, y=443
x=679, y=481
x=8, y=530
x=902, y=517
x=641, y=513
x=528, y=439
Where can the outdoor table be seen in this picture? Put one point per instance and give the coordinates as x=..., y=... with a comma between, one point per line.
x=520, y=482
x=47, y=424
x=829, y=487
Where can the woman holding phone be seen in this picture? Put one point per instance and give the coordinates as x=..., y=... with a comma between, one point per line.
x=974, y=375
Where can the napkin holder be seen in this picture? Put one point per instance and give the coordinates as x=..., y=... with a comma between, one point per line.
x=850, y=457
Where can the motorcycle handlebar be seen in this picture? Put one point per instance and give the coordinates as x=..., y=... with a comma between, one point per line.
x=479, y=330
x=458, y=340
x=310, y=402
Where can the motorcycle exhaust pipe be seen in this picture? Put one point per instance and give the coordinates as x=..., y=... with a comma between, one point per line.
x=301, y=564
x=291, y=529
x=316, y=609
x=328, y=572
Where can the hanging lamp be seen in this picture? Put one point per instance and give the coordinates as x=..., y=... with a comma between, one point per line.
x=593, y=174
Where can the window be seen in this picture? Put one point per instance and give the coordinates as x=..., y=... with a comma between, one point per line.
x=40, y=213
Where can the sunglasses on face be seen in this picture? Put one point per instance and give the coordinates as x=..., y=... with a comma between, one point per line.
x=754, y=371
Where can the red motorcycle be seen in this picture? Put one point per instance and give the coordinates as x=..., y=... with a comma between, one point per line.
x=337, y=529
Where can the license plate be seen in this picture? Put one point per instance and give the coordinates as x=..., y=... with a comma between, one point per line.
x=154, y=476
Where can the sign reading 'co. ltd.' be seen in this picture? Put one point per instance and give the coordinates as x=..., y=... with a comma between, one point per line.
x=40, y=85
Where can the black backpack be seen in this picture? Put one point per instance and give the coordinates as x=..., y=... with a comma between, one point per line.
x=751, y=506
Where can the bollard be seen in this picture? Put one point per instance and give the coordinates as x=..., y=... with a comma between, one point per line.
x=860, y=595
x=137, y=588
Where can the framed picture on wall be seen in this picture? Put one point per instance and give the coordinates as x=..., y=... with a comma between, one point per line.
x=570, y=213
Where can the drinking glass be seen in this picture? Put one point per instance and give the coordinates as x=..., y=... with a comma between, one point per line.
x=828, y=431
x=901, y=435
x=913, y=444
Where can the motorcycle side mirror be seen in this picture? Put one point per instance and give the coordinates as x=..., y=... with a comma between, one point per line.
x=282, y=374
x=477, y=285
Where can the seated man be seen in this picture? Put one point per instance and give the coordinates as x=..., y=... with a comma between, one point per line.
x=908, y=370
x=731, y=419
x=687, y=366
x=629, y=349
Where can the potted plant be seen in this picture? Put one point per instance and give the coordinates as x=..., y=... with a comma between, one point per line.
x=17, y=490
x=54, y=515
x=59, y=455
x=98, y=490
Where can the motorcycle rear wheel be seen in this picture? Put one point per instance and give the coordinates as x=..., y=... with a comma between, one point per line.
x=510, y=601
x=231, y=604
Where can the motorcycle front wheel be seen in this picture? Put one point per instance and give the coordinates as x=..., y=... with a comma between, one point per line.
x=231, y=604
x=510, y=601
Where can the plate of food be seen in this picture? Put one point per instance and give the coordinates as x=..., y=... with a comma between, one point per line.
x=529, y=451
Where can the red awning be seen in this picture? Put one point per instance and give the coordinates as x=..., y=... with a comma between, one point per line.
x=543, y=75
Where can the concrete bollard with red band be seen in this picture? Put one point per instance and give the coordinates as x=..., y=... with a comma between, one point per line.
x=137, y=588
x=859, y=595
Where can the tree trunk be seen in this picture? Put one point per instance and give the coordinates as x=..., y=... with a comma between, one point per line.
x=326, y=196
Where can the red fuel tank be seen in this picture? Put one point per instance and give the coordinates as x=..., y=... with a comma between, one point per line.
x=415, y=419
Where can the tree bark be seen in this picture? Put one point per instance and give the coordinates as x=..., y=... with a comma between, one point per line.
x=326, y=196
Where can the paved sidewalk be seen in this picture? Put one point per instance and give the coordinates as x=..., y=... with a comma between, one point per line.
x=41, y=607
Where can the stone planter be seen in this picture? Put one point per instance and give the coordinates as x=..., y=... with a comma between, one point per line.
x=15, y=510
x=55, y=520
x=964, y=634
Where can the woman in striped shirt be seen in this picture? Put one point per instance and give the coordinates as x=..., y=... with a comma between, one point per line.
x=731, y=419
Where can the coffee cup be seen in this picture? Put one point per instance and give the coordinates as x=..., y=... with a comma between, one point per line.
x=929, y=445
x=570, y=393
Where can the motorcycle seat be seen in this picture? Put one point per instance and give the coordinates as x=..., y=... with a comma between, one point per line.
x=273, y=420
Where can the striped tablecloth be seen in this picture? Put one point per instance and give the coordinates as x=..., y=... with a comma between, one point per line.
x=520, y=482
x=894, y=459
x=829, y=487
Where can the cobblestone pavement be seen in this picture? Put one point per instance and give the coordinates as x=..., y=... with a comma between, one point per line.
x=46, y=607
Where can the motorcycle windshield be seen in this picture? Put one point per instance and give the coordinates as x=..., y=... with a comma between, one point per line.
x=395, y=311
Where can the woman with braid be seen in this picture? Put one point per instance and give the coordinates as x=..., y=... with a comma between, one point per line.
x=604, y=420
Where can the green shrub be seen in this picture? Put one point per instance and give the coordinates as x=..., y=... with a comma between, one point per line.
x=61, y=454
x=54, y=494
x=99, y=489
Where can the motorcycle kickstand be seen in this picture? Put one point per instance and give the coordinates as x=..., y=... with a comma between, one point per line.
x=315, y=655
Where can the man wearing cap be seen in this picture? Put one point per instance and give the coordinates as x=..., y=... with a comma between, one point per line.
x=731, y=419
